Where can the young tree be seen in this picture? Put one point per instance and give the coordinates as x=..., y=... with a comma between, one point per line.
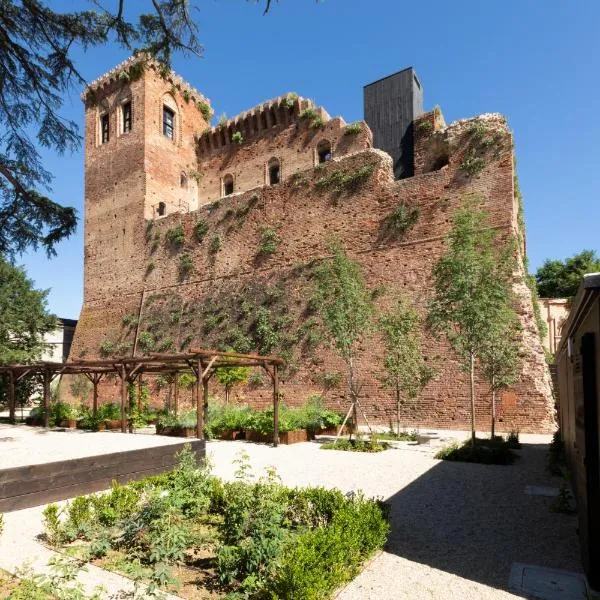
x=229, y=377
x=499, y=355
x=37, y=69
x=561, y=279
x=345, y=306
x=405, y=368
x=468, y=290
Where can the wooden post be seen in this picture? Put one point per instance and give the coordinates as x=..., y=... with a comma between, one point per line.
x=46, y=398
x=276, y=405
x=205, y=398
x=12, y=396
x=199, y=410
x=139, y=395
x=176, y=397
x=123, y=398
x=95, y=382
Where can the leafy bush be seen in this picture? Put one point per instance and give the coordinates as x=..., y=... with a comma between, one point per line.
x=269, y=241
x=308, y=113
x=237, y=138
x=488, y=452
x=353, y=128
x=425, y=126
x=402, y=219
x=289, y=101
x=472, y=164
x=216, y=243
x=205, y=110
x=146, y=342
x=186, y=265
x=176, y=236
x=356, y=445
x=403, y=436
x=107, y=348
x=200, y=229
x=317, y=123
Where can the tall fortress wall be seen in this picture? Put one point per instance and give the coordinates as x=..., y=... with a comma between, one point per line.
x=178, y=216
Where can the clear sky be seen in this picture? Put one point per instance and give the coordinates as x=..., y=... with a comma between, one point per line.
x=535, y=61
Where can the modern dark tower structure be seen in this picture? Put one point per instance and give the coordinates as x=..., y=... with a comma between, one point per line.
x=391, y=105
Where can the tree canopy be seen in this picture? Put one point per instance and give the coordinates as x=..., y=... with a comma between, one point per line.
x=37, y=69
x=561, y=278
x=25, y=318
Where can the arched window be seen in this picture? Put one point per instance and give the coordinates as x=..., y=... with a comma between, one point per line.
x=162, y=209
x=168, y=123
x=274, y=171
x=324, y=151
x=227, y=185
x=183, y=180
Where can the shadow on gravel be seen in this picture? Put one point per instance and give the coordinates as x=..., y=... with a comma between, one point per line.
x=475, y=520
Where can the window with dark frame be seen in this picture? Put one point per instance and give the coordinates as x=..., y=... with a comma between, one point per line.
x=104, y=128
x=126, y=110
x=162, y=209
x=168, y=122
x=324, y=151
x=227, y=185
x=274, y=173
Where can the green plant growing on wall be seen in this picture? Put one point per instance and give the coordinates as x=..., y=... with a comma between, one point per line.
x=200, y=229
x=402, y=219
x=148, y=231
x=345, y=306
x=146, y=342
x=405, y=371
x=345, y=180
x=468, y=280
x=216, y=243
x=222, y=120
x=130, y=320
x=472, y=164
x=290, y=101
x=186, y=381
x=205, y=110
x=176, y=236
x=269, y=241
x=237, y=138
x=165, y=345
x=299, y=180
x=80, y=387
x=256, y=379
x=425, y=126
x=308, y=113
x=195, y=175
x=149, y=268
x=353, y=128
x=186, y=96
x=186, y=265
x=107, y=348
x=317, y=123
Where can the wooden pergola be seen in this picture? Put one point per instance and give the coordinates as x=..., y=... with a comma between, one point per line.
x=202, y=363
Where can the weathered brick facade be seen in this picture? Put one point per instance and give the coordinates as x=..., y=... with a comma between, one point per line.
x=136, y=289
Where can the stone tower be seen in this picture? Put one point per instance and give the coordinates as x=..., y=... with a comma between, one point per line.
x=139, y=163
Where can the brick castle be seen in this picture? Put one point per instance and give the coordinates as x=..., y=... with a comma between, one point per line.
x=204, y=237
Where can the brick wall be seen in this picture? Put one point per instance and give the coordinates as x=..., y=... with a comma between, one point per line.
x=217, y=302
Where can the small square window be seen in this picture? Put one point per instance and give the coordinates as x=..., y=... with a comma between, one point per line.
x=126, y=111
x=168, y=122
x=104, y=128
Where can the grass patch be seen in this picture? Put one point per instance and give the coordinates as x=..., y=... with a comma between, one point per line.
x=494, y=451
x=353, y=128
x=356, y=445
x=403, y=436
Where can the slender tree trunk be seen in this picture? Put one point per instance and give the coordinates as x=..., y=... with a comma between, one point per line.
x=472, y=357
x=353, y=395
x=397, y=410
x=493, y=407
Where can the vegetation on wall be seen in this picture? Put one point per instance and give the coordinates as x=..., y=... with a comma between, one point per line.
x=345, y=180
x=205, y=110
x=237, y=138
x=289, y=101
x=353, y=128
x=200, y=229
x=480, y=142
x=269, y=241
x=186, y=265
x=401, y=220
x=176, y=236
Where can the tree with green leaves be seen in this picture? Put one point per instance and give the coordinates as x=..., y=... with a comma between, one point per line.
x=469, y=286
x=561, y=278
x=37, y=70
x=499, y=356
x=25, y=317
x=229, y=377
x=405, y=369
x=346, y=309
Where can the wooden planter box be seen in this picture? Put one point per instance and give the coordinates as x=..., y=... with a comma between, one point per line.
x=176, y=431
x=69, y=423
x=333, y=431
x=231, y=434
x=35, y=421
x=286, y=437
x=112, y=425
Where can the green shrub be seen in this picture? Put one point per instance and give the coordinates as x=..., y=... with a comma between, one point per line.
x=237, y=138
x=289, y=101
x=425, y=126
x=269, y=241
x=472, y=164
x=176, y=236
x=403, y=436
x=353, y=128
x=216, y=243
x=488, y=452
x=322, y=559
x=186, y=265
x=107, y=348
x=402, y=219
x=308, y=113
x=356, y=445
x=146, y=342
x=130, y=320
x=345, y=180
x=204, y=109
x=200, y=229
x=317, y=123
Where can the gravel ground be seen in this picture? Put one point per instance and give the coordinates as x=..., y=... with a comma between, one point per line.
x=456, y=528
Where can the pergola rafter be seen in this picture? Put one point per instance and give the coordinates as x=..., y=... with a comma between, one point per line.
x=203, y=363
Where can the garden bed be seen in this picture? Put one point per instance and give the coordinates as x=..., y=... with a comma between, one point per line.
x=249, y=538
x=356, y=445
x=175, y=430
x=495, y=451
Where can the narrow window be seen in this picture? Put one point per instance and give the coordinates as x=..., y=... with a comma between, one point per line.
x=104, y=128
x=126, y=110
x=227, y=185
x=168, y=122
x=162, y=209
x=274, y=172
x=183, y=180
x=324, y=151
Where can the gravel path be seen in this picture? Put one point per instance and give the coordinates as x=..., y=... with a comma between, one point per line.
x=456, y=528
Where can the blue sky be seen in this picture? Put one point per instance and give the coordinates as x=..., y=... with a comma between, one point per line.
x=535, y=61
